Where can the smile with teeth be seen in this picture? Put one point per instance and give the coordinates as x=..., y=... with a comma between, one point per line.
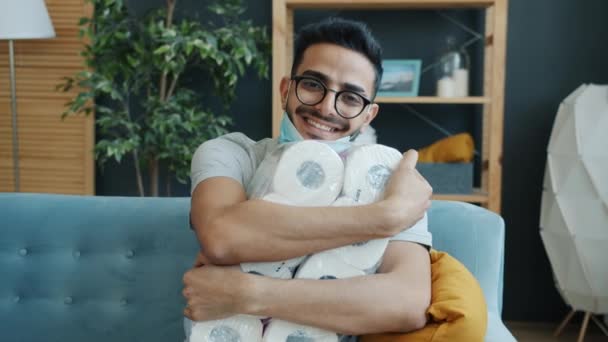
x=320, y=125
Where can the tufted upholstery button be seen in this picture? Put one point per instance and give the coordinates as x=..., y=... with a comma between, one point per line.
x=68, y=300
x=123, y=302
x=76, y=254
x=16, y=299
x=23, y=251
x=130, y=254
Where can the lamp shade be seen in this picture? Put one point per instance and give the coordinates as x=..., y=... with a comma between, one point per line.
x=574, y=213
x=24, y=19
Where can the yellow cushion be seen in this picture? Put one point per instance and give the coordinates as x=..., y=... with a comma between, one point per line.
x=458, y=148
x=458, y=309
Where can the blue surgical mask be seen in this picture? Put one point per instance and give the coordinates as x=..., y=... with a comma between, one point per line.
x=289, y=134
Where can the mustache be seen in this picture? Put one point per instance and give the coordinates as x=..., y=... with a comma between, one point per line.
x=316, y=114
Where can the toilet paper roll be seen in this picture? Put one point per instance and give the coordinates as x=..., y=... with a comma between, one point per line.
x=344, y=201
x=422, y=224
x=239, y=328
x=364, y=256
x=368, y=169
x=325, y=265
x=279, y=269
x=309, y=173
x=276, y=198
x=283, y=331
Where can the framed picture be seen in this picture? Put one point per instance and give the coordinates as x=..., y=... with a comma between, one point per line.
x=401, y=77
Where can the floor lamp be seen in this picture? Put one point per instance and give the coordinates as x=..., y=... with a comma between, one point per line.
x=23, y=19
x=574, y=214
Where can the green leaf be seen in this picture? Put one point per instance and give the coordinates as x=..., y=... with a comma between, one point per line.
x=134, y=62
x=123, y=59
x=162, y=49
x=189, y=48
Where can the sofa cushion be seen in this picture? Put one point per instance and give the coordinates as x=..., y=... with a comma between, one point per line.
x=458, y=309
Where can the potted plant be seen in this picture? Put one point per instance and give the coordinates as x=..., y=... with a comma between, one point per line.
x=134, y=82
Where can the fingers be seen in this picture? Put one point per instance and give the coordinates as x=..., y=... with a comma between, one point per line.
x=188, y=313
x=194, y=314
x=188, y=277
x=188, y=310
x=410, y=158
x=186, y=292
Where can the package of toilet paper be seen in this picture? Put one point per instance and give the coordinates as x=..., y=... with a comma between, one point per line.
x=239, y=328
x=311, y=173
x=278, y=269
x=283, y=331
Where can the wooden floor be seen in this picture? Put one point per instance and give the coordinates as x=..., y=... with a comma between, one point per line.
x=543, y=332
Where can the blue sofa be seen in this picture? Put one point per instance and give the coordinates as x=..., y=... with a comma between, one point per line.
x=84, y=268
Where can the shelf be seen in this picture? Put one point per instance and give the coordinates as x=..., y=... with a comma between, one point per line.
x=388, y=4
x=492, y=65
x=477, y=196
x=434, y=99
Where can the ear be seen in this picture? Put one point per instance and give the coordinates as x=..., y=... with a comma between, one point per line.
x=370, y=114
x=284, y=91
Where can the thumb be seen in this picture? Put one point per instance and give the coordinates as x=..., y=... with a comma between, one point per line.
x=410, y=158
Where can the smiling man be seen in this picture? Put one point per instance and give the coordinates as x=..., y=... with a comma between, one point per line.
x=328, y=96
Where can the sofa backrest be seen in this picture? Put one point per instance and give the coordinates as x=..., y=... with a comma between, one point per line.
x=78, y=268
x=83, y=268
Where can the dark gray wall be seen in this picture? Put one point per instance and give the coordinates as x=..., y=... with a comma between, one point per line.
x=553, y=47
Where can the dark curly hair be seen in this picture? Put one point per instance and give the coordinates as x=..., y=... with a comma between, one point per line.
x=350, y=34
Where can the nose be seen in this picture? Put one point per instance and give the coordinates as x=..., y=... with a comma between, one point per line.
x=326, y=106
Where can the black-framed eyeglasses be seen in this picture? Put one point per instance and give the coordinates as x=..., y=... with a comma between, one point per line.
x=311, y=91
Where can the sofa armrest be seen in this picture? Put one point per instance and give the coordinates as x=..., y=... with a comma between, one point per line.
x=475, y=236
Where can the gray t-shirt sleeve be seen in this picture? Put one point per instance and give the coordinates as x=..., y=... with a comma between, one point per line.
x=226, y=156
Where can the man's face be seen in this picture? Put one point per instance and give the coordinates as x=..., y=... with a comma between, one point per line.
x=339, y=69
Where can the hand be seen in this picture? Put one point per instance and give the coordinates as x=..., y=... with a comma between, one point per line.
x=214, y=292
x=407, y=195
x=201, y=260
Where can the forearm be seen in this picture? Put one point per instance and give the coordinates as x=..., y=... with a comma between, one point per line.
x=373, y=303
x=257, y=230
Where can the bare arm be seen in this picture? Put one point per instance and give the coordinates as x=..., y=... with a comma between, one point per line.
x=394, y=300
x=233, y=230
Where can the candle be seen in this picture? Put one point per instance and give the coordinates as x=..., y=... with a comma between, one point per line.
x=446, y=87
x=461, y=82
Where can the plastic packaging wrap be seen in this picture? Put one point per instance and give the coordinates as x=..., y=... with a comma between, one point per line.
x=307, y=173
x=239, y=328
x=281, y=331
x=368, y=169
